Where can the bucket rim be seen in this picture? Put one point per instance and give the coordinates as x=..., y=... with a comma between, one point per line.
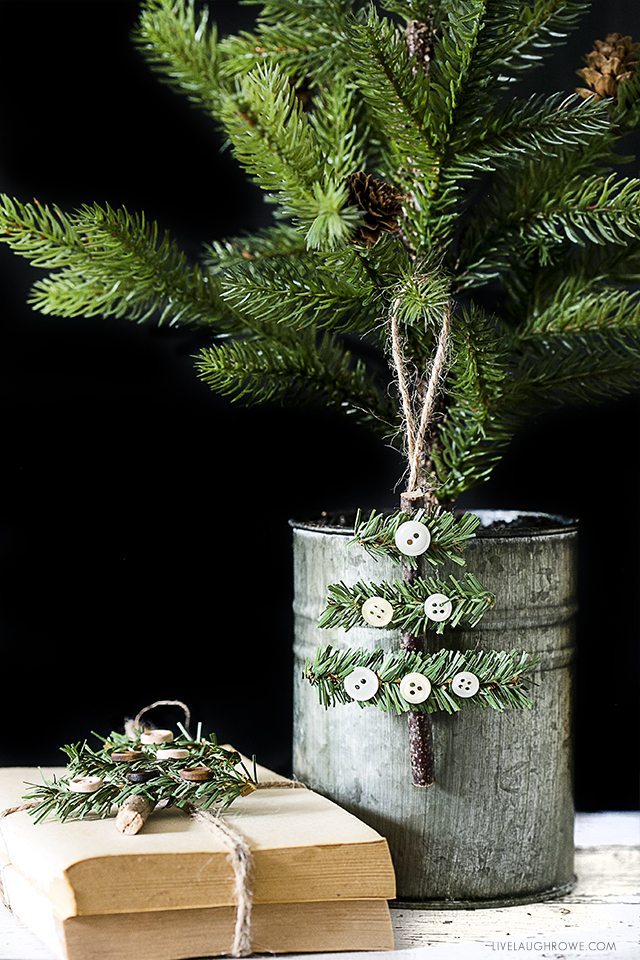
x=558, y=525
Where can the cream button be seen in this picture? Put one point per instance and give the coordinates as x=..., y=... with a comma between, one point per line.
x=177, y=753
x=415, y=688
x=362, y=684
x=412, y=538
x=465, y=684
x=156, y=736
x=377, y=611
x=85, y=784
x=437, y=607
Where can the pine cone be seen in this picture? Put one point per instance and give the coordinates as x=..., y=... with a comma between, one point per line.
x=613, y=61
x=382, y=205
x=419, y=38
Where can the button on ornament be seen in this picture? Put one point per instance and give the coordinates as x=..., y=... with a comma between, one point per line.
x=465, y=684
x=377, y=611
x=437, y=607
x=412, y=538
x=415, y=688
x=141, y=776
x=85, y=784
x=196, y=774
x=172, y=753
x=126, y=756
x=156, y=736
x=361, y=684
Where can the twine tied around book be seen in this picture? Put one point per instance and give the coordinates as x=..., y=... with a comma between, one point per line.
x=240, y=857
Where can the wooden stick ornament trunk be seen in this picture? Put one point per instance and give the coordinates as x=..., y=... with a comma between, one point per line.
x=497, y=824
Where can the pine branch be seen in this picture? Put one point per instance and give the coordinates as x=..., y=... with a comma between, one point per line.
x=304, y=291
x=340, y=132
x=505, y=678
x=279, y=240
x=275, y=143
x=305, y=38
x=577, y=367
x=455, y=46
x=272, y=138
x=540, y=125
x=179, y=44
x=548, y=206
x=580, y=303
x=302, y=370
x=109, y=262
x=397, y=98
x=518, y=36
x=599, y=210
x=376, y=534
x=468, y=450
x=229, y=779
x=474, y=430
x=470, y=602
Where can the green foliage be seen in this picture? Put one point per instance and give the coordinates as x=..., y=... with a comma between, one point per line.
x=108, y=262
x=54, y=800
x=469, y=598
x=449, y=535
x=305, y=367
x=505, y=678
x=179, y=44
x=523, y=194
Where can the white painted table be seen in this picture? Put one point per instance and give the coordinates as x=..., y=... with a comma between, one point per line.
x=600, y=919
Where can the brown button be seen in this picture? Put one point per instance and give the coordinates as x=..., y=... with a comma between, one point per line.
x=126, y=756
x=196, y=774
x=141, y=776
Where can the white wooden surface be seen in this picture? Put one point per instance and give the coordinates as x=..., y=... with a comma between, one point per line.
x=600, y=919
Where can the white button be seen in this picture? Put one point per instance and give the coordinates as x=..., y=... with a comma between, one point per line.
x=176, y=754
x=415, y=688
x=85, y=784
x=362, y=684
x=465, y=684
x=412, y=538
x=157, y=736
x=438, y=607
x=377, y=611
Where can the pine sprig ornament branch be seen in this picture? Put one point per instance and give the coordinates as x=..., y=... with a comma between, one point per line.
x=151, y=766
x=503, y=679
x=418, y=605
x=448, y=535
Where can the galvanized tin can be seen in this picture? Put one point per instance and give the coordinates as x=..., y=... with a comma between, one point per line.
x=497, y=827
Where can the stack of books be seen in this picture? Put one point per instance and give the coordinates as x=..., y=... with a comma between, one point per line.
x=322, y=879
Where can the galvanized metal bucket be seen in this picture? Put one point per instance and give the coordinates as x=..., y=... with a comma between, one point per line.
x=497, y=827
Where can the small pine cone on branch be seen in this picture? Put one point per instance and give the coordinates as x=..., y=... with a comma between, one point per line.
x=381, y=203
x=613, y=61
x=419, y=38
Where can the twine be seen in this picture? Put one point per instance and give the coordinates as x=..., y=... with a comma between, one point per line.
x=417, y=424
x=163, y=703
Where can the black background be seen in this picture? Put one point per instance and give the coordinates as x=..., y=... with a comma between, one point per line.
x=144, y=544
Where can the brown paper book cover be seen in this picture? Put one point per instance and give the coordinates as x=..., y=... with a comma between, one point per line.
x=306, y=849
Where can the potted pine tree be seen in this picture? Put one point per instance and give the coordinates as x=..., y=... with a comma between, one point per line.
x=445, y=260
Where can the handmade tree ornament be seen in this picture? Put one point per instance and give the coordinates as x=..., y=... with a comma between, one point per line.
x=412, y=681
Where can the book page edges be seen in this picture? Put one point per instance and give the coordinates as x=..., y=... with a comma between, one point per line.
x=171, y=935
